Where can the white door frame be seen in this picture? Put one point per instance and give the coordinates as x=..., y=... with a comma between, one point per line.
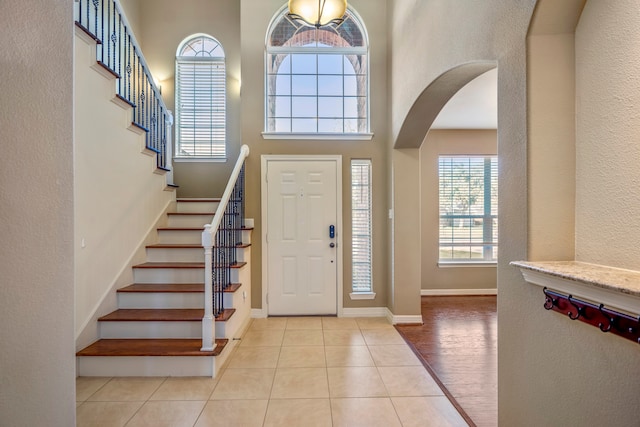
x=265, y=159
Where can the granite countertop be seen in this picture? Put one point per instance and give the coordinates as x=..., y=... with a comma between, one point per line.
x=610, y=278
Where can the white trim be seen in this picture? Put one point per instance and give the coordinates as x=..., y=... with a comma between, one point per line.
x=404, y=319
x=362, y=295
x=319, y=136
x=365, y=312
x=470, y=264
x=264, y=160
x=611, y=299
x=258, y=313
x=457, y=292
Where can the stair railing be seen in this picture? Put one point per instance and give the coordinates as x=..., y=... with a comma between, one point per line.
x=220, y=240
x=118, y=51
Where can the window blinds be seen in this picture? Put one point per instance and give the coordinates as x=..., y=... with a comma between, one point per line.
x=201, y=109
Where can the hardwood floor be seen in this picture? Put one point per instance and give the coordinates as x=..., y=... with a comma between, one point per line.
x=458, y=344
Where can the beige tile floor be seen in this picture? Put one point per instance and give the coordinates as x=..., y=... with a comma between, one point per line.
x=303, y=371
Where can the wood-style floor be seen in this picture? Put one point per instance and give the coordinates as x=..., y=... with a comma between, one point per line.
x=458, y=344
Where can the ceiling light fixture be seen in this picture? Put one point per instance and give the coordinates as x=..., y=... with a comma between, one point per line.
x=318, y=13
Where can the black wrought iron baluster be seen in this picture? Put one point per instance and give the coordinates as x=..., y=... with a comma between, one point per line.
x=109, y=35
x=95, y=17
x=102, y=33
x=118, y=60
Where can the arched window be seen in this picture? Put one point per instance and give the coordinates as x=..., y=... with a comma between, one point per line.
x=317, y=78
x=200, y=99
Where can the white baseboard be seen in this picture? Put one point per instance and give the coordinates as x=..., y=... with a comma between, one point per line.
x=455, y=292
x=404, y=319
x=365, y=312
x=258, y=313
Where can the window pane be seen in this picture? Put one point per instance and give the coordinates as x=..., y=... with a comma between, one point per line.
x=301, y=63
x=304, y=64
x=330, y=107
x=350, y=32
x=330, y=85
x=330, y=64
x=468, y=202
x=279, y=64
x=282, y=85
x=350, y=86
x=304, y=125
x=304, y=85
x=304, y=106
x=361, y=218
x=201, y=100
x=283, y=106
x=282, y=125
x=330, y=125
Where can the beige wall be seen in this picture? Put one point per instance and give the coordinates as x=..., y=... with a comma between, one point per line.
x=163, y=26
x=437, y=143
x=37, y=367
x=118, y=197
x=608, y=130
x=256, y=16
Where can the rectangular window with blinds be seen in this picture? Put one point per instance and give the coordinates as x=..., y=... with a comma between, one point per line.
x=468, y=209
x=201, y=108
x=361, y=219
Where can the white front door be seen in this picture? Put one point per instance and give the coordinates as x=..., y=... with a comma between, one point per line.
x=301, y=252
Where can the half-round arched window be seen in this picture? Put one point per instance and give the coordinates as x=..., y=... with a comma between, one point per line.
x=200, y=99
x=317, y=78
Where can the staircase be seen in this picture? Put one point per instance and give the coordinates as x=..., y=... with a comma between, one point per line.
x=157, y=328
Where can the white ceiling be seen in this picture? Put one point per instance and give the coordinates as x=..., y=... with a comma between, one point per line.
x=475, y=106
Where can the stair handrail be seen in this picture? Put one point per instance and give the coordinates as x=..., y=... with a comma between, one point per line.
x=216, y=265
x=120, y=54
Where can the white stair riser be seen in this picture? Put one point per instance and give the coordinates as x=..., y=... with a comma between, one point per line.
x=123, y=330
x=147, y=366
x=189, y=220
x=143, y=300
x=182, y=237
x=190, y=236
x=168, y=275
x=163, y=300
x=190, y=207
x=175, y=254
x=177, y=275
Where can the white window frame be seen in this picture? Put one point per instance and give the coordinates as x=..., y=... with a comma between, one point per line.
x=217, y=113
x=489, y=239
x=361, y=229
x=359, y=50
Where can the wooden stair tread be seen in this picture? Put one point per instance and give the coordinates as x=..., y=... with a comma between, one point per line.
x=158, y=315
x=196, y=200
x=170, y=265
x=197, y=228
x=162, y=315
x=190, y=213
x=150, y=347
x=182, y=265
x=175, y=246
x=189, y=246
x=174, y=287
x=164, y=287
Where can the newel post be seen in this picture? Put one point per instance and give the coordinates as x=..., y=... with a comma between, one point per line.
x=208, y=321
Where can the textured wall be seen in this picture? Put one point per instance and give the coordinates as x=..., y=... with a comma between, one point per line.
x=37, y=367
x=437, y=143
x=608, y=130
